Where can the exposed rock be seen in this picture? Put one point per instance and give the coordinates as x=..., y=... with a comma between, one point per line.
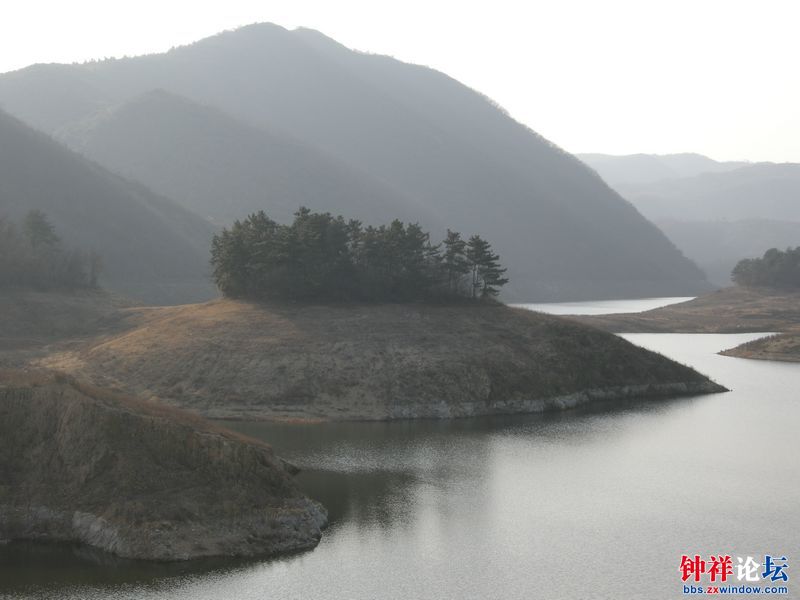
x=139, y=479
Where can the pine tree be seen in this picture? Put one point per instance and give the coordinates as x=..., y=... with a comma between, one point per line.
x=454, y=261
x=487, y=274
x=319, y=256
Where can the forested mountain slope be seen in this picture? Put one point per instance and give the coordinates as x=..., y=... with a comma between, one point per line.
x=563, y=233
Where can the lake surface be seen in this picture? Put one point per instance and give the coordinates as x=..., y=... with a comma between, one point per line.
x=603, y=307
x=591, y=503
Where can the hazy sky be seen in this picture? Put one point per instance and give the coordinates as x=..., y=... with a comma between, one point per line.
x=617, y=76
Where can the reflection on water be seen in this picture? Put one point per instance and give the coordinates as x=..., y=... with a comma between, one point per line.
x=598, y=502
x=25, y=565
x=603, y=307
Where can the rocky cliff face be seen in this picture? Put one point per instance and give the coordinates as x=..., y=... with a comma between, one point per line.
x=139, y=479
x=229, y=359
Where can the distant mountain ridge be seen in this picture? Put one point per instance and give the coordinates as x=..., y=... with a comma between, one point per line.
x=758, y=191
x=716, y=213
x=151, y=248
x=649, y=168
x=431, y=141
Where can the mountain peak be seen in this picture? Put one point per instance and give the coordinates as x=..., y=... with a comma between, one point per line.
x=421, y=144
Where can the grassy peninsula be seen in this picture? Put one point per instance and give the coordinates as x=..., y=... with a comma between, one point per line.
x=736, y=309
x=140, y=479
x=245, y=359
x=731, y=310
x=766, y=297
x=783, y=347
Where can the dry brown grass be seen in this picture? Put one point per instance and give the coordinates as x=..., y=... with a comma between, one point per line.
x=152, y=408
x=783, y=347
x=731, y=310
x=231, y=359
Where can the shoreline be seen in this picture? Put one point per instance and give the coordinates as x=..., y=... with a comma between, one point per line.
x=563, y=402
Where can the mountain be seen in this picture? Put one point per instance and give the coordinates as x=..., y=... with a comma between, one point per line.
x=562, y=232
x=759, y=191
x=224, y=169
x=718, y=245
x=649, y=168
x=151, y=248
x=717, y=219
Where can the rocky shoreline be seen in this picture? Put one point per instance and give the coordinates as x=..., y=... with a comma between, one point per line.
x=467, y=410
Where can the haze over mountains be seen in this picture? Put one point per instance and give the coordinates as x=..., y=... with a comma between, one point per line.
x=224, y=169
x=152, y=248
x=267, y=118
x=763, y=190
x=649, y=168
x=718, y=215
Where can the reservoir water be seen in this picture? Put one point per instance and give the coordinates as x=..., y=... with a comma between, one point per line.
x=591, y=503
x=603, y=307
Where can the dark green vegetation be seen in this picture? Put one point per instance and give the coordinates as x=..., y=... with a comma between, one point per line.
x=776, y=269
x=715, y=212
x=407, y=142
x=151, y=248
x=321, y=257
x=34, y=257
x=139, y=479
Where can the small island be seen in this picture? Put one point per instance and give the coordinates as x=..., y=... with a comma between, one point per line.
x=321, y=319
x=326, y=319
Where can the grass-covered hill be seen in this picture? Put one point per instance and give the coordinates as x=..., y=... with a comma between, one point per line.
x=140, y=479
x=235, y=359
x=784, y=347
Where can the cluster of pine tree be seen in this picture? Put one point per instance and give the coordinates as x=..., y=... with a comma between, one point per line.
x=780, y=269
x=322, y=257
x=33, y=256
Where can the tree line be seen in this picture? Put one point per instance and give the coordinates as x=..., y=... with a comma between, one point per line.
x=33, y=256
x=322, y=257
x=777, y=268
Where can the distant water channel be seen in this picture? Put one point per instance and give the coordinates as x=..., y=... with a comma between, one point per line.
x=603, y=307
x=592, y=503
